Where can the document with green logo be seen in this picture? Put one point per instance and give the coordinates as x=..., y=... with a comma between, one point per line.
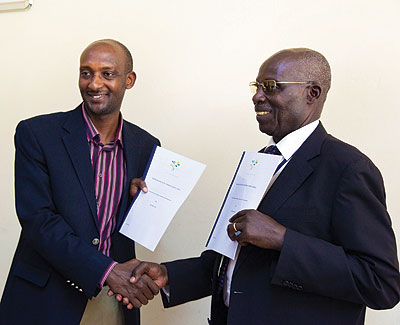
x=246, y=191
x=170, y=178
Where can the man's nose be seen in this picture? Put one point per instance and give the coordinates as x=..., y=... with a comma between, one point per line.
x=259, y=96
x=96, y=82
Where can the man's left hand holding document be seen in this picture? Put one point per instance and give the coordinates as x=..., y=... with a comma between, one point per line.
x=170, y=178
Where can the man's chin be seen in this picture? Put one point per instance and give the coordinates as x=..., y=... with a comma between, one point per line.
x=265, y=129
x=97, y=109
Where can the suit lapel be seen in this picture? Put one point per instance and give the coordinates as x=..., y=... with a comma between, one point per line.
x=295, y=173
x=75, y=142
x=290, y=180
x=132, y=152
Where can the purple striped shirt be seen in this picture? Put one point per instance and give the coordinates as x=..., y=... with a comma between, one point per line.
x=109, y=168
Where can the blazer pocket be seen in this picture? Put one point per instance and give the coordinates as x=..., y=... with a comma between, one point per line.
x=31, y=274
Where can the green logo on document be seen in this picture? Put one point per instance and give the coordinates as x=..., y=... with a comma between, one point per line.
x=253, y=164
x=174, y=164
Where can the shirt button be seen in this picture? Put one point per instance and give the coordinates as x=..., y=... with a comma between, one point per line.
x=100, y=175
x=95, y=241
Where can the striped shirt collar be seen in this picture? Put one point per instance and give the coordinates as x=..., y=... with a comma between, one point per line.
x=94, y=135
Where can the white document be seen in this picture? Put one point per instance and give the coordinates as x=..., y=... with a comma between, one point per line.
x=247, y=189
x=170, y=178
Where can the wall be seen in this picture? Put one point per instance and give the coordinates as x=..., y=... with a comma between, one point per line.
x=194, y=61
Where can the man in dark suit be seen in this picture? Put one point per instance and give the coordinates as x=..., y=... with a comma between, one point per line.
x=320, y=246
x=71, y=175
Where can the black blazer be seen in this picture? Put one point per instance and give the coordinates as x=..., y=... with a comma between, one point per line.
x=57, y=267
x=339, y=252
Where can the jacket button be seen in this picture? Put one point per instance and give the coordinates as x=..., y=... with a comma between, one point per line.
x=95, y=241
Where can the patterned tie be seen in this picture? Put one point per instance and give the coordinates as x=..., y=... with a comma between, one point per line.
x=222, y=273
x=273, y=150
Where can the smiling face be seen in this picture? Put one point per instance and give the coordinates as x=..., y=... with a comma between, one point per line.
x=103, y=78
x=288, y=108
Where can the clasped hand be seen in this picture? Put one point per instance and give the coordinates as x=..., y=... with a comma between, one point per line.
x=135, y=282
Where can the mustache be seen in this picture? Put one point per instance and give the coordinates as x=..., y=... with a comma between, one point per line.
x=96, y=92
x=262, y=108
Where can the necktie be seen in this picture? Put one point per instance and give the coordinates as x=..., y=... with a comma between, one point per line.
x=222, y=273
x=273, y=150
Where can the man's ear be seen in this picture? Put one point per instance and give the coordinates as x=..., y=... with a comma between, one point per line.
x=313, y=93
x=130, y=80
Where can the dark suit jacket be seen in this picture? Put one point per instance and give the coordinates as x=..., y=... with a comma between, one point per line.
x=339, y=252
x=57, y=266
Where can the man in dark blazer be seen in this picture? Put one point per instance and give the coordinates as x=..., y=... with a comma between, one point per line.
x=320, y=246
x=66, y=253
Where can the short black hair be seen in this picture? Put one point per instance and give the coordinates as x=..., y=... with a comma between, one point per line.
x=128, y=55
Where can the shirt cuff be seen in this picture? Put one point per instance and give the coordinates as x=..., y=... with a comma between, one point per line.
x=166, y=291
x=109, y=269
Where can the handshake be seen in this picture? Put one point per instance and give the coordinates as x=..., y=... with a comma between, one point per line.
x=135, y=282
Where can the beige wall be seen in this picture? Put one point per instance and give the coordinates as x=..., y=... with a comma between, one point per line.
x=194, y=60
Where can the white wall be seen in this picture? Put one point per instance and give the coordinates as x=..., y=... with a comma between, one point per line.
x=194, y=60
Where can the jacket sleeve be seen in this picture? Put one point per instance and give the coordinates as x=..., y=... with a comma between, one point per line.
x=190, y=279
x=360, y=265
x=44, y=229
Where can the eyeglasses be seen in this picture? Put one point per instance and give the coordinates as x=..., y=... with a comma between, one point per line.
x=269, y=86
